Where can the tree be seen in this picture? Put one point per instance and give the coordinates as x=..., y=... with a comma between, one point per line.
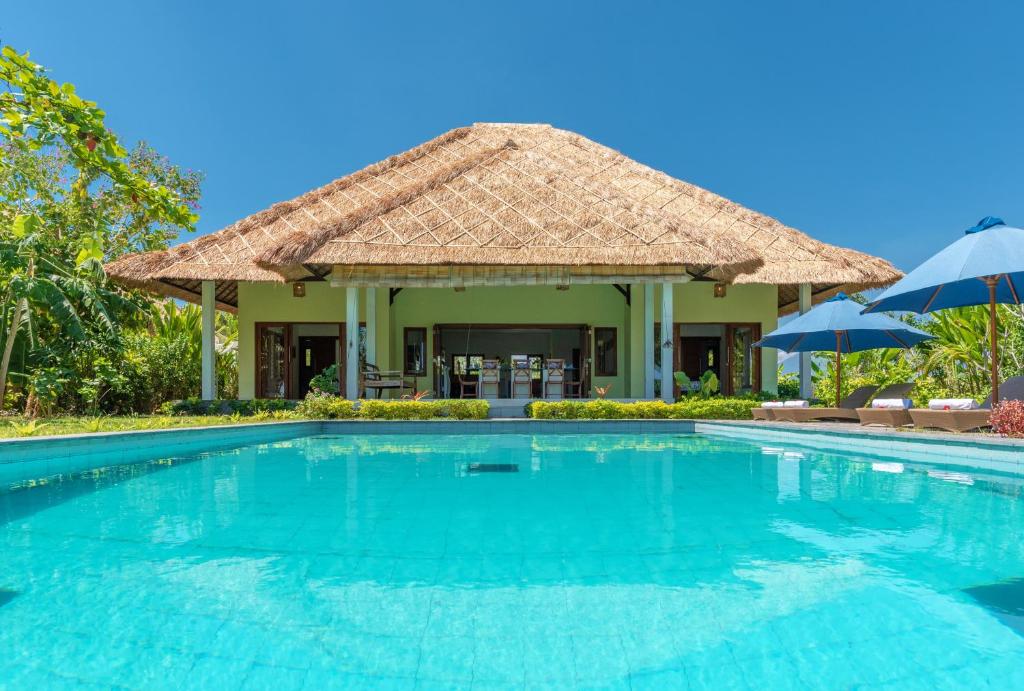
x=69, y=196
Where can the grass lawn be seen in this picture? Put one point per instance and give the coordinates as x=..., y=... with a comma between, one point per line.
x=20, y=427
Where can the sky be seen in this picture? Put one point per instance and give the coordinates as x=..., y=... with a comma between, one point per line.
x=885, y=126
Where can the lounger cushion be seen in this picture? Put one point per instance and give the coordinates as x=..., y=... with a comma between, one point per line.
x=952, y=404
x=796, y=404
x=887, y=403
x=772, y=404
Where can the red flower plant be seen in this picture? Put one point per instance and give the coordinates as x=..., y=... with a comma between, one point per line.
x=1008, y=418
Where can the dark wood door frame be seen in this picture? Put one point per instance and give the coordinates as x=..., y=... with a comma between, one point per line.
x=342, y=354
x=726, y=378
x=755, y=335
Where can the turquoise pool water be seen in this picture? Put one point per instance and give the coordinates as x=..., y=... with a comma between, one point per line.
x=655, y=561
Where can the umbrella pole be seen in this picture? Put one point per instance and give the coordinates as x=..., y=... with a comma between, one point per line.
x=992, y=282
x=839, y=367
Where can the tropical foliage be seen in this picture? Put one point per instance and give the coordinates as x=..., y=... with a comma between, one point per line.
x=71, y=197
x=1008, y=418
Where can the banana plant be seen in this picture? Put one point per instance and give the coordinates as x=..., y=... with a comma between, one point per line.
x=37, y=284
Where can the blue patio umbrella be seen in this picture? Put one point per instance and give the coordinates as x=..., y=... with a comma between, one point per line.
x=839, y=324
x=986, y=266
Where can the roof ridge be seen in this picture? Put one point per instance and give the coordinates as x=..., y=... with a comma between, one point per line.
x=297, y=245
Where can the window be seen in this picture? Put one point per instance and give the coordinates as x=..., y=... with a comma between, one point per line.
x=606, y=356
x=415, y=350
x=468, y=365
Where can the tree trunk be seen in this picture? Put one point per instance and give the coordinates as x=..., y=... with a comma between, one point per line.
x=12, y=335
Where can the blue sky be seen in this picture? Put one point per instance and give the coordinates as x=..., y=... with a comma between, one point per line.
x=884, y=126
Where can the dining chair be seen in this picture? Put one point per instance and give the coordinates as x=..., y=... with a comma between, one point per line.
x=554, y=381
x=490, y=378
x=522, y=377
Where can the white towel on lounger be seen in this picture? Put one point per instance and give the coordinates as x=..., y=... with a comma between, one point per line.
x=891, y=403
x=952, y=404
x=796, y=404
x=772, y=404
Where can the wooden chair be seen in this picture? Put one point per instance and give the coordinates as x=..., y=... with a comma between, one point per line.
x=555, y=379
x=574, y=387
x=522, y=377
x=469, y=386
x=377, y=380
x=490, y=378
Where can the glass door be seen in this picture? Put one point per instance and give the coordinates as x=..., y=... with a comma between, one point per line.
x=273, y=361
x=744, y=366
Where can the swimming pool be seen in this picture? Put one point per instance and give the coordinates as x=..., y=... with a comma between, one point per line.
x=643, y=561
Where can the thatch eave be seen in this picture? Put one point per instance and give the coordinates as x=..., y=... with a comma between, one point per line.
x=508, y=195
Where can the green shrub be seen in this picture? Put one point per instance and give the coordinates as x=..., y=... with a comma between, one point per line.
x=326, y=381
x=398, y=410
x=466, y=409
x=689, y=408
x=195, y=406
x=323, y=406
x=788, y=384
x=715, y=409
x=457, y=409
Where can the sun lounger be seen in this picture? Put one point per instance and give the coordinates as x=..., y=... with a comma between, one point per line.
x=767, y=410
x=890, y=408
x=967, y=420
x=846, y=412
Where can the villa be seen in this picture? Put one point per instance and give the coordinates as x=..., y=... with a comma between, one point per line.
x=503, y=242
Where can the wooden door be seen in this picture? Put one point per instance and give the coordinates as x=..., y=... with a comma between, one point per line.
x=273, y=360
x=437, y=362
x=698, y=354
x=587, y=336
x=316, y=353
x=742, y=361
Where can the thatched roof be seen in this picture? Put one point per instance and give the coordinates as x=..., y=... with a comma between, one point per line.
x=512, y=200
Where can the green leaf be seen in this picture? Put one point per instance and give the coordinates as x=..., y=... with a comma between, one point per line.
x=91, y=249
x=24, y=225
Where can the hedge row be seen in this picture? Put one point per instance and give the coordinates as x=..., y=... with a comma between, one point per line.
x=455, y=409
x=195, y=406
x=327, y=407
x=334, y=408
x=693, y=408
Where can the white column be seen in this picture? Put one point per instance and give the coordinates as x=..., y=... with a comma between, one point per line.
x=648, y=340
x=806, y=386
x=667, y=342
x=208, y=350
x=371, y=326
x=352, y=338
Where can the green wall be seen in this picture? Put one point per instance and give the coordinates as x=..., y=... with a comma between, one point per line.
x=597, y=305
x=273, y=302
